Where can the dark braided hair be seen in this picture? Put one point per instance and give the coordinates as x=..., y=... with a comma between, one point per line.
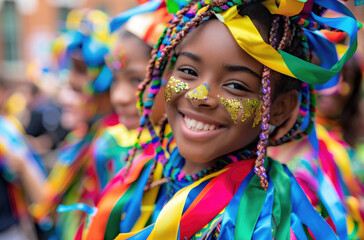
x=282, y=35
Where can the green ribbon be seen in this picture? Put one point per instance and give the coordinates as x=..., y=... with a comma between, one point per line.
x=282, y=186
x=250, y=206
x=112, y=227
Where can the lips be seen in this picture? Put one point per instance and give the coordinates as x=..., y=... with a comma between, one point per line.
x=197, y=127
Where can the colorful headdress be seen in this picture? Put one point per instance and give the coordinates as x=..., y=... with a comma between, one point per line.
x=87, y=31
x=146, y=22
x=301, y=20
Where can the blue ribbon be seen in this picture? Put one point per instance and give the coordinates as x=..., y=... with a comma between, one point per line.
x=132, y=208
x=143, y=234
x=327, y=53
x=297, y=228
x=332, y=204
x=119, y=20
x=302, y=207
x=78, y=206
x=229, y=218
x=103, y=80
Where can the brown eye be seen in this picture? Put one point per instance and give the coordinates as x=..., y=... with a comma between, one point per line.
x=188, y=71
x=136, y=80
x=237, y=86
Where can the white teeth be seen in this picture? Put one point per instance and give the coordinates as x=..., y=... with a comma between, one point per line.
x=197, y=125
x=193, y=123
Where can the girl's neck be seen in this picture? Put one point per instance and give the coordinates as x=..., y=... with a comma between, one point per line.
x=194, y=167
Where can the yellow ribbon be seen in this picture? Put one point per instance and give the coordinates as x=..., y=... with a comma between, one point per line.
x=285, y=7
x=251, y=41
x=167, y=224
x=125, y=137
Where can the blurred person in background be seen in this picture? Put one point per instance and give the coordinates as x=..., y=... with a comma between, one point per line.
x=73, y=179
x=44, y=128
x=137, y=34
x=21, y=176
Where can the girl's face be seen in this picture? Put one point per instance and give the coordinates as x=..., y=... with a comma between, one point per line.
x=134, y=55
x=73, y=108
x=216, y=76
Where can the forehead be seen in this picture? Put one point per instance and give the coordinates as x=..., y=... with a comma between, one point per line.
x=213, y=41
x=134, y=48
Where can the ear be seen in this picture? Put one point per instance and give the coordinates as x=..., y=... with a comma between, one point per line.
x=284, y=112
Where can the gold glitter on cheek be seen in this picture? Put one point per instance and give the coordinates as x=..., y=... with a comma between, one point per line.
x=199, y=93
x=258, y=113
x=233, y=107
x=249, y=106
x=174, y=86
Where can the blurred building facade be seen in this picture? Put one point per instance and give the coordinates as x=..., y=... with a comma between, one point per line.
x=28, y=26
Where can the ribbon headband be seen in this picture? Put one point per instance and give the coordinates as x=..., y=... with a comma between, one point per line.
x=251, y=41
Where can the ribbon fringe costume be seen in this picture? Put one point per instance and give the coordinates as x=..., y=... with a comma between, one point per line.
x=228, y=201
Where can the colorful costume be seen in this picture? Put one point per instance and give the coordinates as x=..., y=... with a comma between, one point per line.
x=74, y=177
x=146, y=22
x=238, y=197
x=12, y=140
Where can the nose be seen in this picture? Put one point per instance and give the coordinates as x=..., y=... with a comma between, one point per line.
x=122, y=94
x=201, y=97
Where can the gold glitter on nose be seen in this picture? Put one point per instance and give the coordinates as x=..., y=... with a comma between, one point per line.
x=249, y=106
x=174, y=86
x=199, y=93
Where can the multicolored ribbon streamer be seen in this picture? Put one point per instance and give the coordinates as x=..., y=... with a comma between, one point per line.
x=283, y=62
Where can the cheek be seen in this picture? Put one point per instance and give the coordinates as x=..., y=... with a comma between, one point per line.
x=243, y=109
x=174, y=86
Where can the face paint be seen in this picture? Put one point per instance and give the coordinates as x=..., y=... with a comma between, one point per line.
x=199, y=93
x=118, y=59
x=174, y=86
x=249, y=106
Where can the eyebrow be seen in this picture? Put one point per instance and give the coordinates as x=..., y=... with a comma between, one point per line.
x=236, y=68
x=190, y=55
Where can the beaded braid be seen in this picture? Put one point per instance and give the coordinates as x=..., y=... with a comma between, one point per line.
x=265, y=109
x=162, y=126
x=155, y=68
x=263, y=137
x=266, y=95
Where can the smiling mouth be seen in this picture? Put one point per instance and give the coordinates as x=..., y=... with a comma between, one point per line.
x=196, y=125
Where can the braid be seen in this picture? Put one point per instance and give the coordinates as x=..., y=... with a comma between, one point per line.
x=266, y=95
x=265, y=110
x=273, y=32
x=263, y=137
x=162, y=126
x=287, y=35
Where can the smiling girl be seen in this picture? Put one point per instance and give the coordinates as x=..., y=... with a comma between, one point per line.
x=235, y=69
x=128, y=59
